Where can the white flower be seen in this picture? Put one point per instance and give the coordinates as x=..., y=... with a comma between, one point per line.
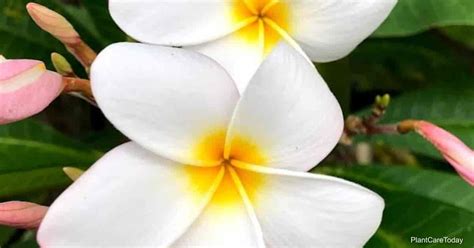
x=207, y=168
x=239, y=33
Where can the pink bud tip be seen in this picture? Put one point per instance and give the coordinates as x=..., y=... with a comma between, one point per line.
x=26, y=88
x=24, y=215
x=53, y=23
x=460, y=156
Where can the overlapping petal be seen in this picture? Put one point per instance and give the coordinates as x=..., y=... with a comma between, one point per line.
x=26, y=88
x=165, y=99
x=330, y=29
x=176, y=22
x=226, y=222
x=297, y=209
x=288, y=112
x=130, y=197
x=240, y=57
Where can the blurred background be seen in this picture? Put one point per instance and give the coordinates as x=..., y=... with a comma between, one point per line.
x=423, y=56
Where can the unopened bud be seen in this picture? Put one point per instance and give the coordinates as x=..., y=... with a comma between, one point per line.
x=385, y=101
x=26, y=88
x=24, y=215
x=460, y=156
x=53, y=23
x=73, y=173
x=61, y=29
x=61, y=65
x=382, y=101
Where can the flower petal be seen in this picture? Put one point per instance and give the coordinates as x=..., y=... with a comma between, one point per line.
x=19, y=214
x=225, y=222
x=175, y=22
x=242, y=52
x=238, y=56
x=287, y=112
x=26, y=88
x=165, y=99
x=130, y=197
x=330, y=29
x=297, y=209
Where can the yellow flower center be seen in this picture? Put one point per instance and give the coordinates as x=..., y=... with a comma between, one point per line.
x=231, y=190
x=264, y=22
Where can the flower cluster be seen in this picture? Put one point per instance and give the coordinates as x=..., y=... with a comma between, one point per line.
x=223, y=129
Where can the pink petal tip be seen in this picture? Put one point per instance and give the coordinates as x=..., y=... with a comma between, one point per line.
x=26, y=88
x=24, y=215
x=459, y=155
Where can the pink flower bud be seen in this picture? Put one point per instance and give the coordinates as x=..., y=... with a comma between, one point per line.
x=53, y=23
x=25, y=215
x=453, y=149
x=26, y=88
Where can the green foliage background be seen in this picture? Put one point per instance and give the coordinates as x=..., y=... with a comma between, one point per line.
x=423, y=55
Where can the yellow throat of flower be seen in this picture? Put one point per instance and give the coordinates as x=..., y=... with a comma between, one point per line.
x=211, y=148
x=265, y=22
x=233, y=185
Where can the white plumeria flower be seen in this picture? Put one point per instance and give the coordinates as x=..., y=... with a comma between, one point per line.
x=207, y=168
x=240, y=33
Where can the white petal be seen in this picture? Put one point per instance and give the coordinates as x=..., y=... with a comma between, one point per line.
x=242, y=52
x=165, y=99
x=287, y=114
x=297, y=209
x=239, y=57
x=225, y=222
x=176, y=22
x=330, y=29
x=130, y=197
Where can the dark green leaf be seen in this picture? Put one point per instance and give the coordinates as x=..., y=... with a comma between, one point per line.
x=32, y=156
x=413, y=16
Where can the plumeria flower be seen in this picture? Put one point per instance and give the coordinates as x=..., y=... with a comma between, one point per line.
x=240, y=33
x=26, y=88
x=207, y=168
x=460, y=156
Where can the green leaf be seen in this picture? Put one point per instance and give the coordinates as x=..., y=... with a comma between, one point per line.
x=461, y=34
x=448, y=104
x=5, y=234
x=27, y=240
x=405, y=63
x=22, y=182
x=414, y=16
x=418, y=203
x=32, y=156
